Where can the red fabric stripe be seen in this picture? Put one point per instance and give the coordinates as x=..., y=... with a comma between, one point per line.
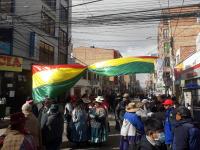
x=191, y=68
x=38, y=68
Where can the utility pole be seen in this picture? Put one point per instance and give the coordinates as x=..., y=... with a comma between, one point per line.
x=173, y=62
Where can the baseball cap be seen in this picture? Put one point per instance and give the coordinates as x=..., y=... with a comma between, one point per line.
x=168, y=102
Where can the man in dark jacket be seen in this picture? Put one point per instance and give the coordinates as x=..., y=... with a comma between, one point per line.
x=154, y=137
x=120, y=109
x=43, y=112
x=53, y=128
x=186, y=134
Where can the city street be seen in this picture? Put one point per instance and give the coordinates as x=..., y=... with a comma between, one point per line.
x=68, y=68
x=112, y=143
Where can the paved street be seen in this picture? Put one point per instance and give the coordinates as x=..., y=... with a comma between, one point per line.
x=112, y=143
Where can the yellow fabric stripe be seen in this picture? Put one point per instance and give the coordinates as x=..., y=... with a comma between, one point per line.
x=179, y=66
x=54, y=76
x=120, y=61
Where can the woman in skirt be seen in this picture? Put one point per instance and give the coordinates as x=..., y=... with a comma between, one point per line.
x=98, y=122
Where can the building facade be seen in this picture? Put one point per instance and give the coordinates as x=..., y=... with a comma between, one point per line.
x=31, y=32
x=176, y=41
x=178, y=46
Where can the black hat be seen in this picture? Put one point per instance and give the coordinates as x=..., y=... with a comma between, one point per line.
x=183, y=111
x=54, y=108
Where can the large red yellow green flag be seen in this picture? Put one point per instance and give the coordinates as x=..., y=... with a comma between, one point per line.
x=124, y=66
x=53, y=80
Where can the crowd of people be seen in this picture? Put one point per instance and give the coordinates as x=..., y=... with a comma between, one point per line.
x=33, y=129
x=87, y=121
x=156, y=123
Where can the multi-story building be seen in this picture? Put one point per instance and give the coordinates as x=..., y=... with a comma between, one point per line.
x=31, y=32
x=91, y=82
x=177, y=39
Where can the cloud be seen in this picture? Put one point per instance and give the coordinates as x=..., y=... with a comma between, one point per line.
x=146, y=50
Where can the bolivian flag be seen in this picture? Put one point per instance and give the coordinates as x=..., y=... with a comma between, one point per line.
x=124, y=66
x=53, y=80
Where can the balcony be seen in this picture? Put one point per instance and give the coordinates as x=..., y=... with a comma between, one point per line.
x=6, y=20
x=167, y=69
x=6, y=7
x=51, y=4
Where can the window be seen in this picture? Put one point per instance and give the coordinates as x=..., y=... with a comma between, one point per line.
x=89, y=76
x=63, y=39
x=62, y=58
x=46, y=53
x=85, y=75
x=48, y=24
x=166, y=78
x=165, y=33
x=165, y=22
x=6, y=37
x=51, y=3
x=98, y=78
x=167, y=62
x=63, y=14
x=177, y=59
x=166, y=47
x=6, y=6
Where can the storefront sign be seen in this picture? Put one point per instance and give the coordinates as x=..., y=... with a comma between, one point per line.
x=193, y=72
x=189, y=68
x=192, y=61
x=192, y=75
x=9, y=63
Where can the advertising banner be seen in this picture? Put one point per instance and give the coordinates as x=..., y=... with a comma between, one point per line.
x=9, y=63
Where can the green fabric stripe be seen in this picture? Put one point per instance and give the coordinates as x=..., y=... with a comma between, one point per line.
x=129, y=68
x=55, y=89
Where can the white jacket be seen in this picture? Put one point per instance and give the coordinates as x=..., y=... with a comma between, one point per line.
x=127, y=129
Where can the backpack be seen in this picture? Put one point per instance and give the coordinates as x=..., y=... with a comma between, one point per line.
x=194, y=135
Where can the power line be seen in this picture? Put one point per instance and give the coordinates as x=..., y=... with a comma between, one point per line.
x=178, y=17
x=38, y=12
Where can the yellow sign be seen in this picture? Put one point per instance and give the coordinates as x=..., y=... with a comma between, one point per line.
x=9, y=63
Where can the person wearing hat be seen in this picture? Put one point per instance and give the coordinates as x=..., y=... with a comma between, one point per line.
x=98, y=122
x=16, y=137
x=43, y=112
x=79, y=125
x=186, y=131
x=34, y=106
x=53, y=128
x=118, y=99
x=120, y=110
x=168, y=123
x=132, y=128
x=32, y=124
x=143, y=111
x=87, y=103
